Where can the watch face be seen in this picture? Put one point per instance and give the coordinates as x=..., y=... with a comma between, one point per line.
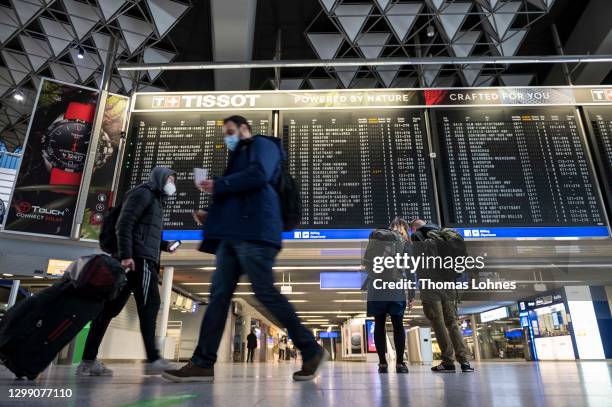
x=65, y=145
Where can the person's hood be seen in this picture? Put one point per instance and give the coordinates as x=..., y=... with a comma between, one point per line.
x=159, y=176
x=421, y=233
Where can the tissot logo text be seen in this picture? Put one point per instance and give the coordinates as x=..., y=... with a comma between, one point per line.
x=602, y=95
x=203, y=101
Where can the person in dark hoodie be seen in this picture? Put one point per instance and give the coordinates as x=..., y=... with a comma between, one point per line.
x=139, y=242
x=440, y=306
x=243, y=228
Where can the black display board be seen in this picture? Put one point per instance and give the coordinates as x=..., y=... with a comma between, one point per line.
x=359, y=168
x=522, y=167
x=181, y=141
x=599, y=122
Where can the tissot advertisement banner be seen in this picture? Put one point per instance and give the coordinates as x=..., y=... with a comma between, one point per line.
x=48, y=181
x=342, y=99
x=100, y=190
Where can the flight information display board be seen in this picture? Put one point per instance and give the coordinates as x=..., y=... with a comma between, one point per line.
x=600, y=129
x=358, y=169
x=516, y=172
x=181, y=141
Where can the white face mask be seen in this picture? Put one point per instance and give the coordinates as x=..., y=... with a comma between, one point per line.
x=169, y=188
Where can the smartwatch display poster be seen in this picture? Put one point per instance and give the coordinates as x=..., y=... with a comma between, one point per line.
x=55, y=149
x=99, y=197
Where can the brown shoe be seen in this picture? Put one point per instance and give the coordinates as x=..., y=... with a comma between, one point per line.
x=190, y=373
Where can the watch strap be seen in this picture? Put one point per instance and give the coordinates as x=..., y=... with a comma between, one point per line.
x=80, y=111
x=61, y=177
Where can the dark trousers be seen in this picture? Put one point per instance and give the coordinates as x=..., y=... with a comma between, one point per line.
x=440, y=308
x=380, y=337
x=235, y=257
x=250, y=353
x=143, y=283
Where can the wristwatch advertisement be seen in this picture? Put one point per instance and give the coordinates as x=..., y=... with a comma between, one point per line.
x=65, y=144
x=54, y=157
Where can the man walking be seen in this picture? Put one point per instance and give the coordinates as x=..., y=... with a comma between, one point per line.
x=139, y=241
x=251, y=345
x=440, y=306
x=243, y=228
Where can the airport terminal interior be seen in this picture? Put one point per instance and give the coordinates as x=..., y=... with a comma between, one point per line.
x=489, y=120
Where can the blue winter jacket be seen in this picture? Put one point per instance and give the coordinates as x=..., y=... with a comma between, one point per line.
x=245, y=204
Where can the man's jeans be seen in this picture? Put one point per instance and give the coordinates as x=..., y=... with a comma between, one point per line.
x=235, y=257
x=440, y=308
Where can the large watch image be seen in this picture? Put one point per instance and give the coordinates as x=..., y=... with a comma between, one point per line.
x=65, y=144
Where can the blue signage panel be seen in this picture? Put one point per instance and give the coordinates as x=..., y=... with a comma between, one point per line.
x=341, y=280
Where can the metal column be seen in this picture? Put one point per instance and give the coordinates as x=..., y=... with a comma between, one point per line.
x=13, y=295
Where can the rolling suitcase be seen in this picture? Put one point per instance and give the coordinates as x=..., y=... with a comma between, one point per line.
x=36, y=329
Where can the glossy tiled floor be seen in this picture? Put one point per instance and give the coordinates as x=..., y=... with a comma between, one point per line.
x=555, y=384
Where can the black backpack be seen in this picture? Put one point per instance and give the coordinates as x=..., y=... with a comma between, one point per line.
x=384, y=243
x=108, y=231
x=288, y=191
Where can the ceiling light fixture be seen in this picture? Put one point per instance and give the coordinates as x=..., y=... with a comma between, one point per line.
x=19, y=96
x=431, y=31
x=80, y=52
x=298, y=300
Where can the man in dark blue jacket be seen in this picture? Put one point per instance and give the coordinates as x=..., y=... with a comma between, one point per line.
x=243, y=228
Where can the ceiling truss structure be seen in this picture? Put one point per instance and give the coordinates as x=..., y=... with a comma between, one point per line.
x=42, y=38
x=397, y=29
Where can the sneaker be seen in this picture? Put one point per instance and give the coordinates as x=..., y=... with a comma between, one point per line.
x=466, y=368
x=190, y=373
x=157, y=367
x=93, y=368
x=310, y=368
x=442, y=368
x=383, y=368
x=401, y=368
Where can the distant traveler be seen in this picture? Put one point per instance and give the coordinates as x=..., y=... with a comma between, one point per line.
x=243, y=228
x=251, y=345
x=282, y=348
x=392, y=302
x=139, y=241
x=440, y=306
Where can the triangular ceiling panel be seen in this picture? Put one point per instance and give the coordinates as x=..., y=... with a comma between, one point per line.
x=485, y=80
x=346, y=74
x=430, y=73
x=452, y=17
x=401, y=17
x=543, y=4
x=512, y=43
x=110, y=7
x=87, y=66
x=445, y=81
x=382, y=4
x=358, y=14
x=517, y=80
x=165, y=13
x=436, y=4
x=388, y=73
x=5, y=77
x=465, y=43
x=328, y=4
x=102, y=42
x=9, y=23
x=25, y=9
x=127, y=82
x=502, y=18
x=471, y=72
x=63, y=72
x=291, y=84
x=326, y=45
x=83, y=17
x=59, y=35
x=36, y=50
x=366, y=83
x=405, y=82
x=154, y=55
x=323, y=83
x=372, y=44
x=17, y=64
x=134, y=31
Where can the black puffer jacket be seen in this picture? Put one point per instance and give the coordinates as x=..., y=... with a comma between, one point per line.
x=140, y=224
